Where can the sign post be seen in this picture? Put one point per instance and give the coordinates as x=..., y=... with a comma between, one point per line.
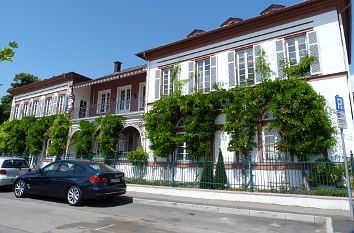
x=342, y=124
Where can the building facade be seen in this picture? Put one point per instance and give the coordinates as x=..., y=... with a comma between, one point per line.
x=227, y=56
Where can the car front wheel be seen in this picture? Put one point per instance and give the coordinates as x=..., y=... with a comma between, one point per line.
x=74, y=196
x=20, y=188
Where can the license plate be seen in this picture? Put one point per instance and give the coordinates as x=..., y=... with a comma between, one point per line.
x=116, y=180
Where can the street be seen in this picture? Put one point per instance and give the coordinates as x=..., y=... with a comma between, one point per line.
x=38, y=214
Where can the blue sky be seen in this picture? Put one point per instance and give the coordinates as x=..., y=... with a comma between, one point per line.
x=87, y=36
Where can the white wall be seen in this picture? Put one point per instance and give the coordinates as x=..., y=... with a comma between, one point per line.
x=82, y=93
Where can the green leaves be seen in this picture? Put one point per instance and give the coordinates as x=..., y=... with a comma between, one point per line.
x=110, y=127
x=7, y=53
x=84, y=138
x=58, y=134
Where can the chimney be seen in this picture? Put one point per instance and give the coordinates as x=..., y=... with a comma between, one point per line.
x=117, y=66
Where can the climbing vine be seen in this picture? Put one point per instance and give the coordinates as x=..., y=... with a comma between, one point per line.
x=301, y=116
x=58, y=134
x=110, y=127
x=84, y=138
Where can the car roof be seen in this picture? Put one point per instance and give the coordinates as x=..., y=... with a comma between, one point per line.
x=77, y=161
x=7, y=158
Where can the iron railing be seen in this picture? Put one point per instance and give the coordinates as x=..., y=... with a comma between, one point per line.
x=315, y=178
x=119, y=107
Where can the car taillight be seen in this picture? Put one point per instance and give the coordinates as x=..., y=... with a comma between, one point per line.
x=97, y=180
x=2, y=172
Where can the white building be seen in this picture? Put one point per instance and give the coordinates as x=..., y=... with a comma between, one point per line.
x=227, y=55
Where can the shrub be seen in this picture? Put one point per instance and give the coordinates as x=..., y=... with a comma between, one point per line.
x=138, y=157
x=326, y=173
x=206, y=181
x=220, y=173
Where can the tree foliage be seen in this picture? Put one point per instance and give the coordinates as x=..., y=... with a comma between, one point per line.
x=58, y=135
x=110, y=128
x=138, y=157
x=37, y=133
x=84, y=138
x=20, y=80
x=7, y=52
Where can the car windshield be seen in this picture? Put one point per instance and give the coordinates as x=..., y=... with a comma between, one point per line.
x=101, y=167
x=15, y=163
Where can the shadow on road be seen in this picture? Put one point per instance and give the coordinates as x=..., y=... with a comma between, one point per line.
x=100, y=203
x=6, y=189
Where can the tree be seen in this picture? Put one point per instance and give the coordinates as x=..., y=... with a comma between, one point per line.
x=206, y=181
x=37, y=133
x=84, y=138
x=58, y=135
x=220, y=173
x=7, y=53
x=20, y=80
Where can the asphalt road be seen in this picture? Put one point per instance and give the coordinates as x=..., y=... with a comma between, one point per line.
x=44, y=215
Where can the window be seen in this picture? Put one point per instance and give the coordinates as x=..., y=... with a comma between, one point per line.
x=36, y=108
x=142, y=96
x=270, y=151
x=297, y=49
x=124, y=99
x=245, y=66
x=203, y=75
x=82, y=110
x=61, y=104
x=123, y=146
x=15, y=163
x=181, y=152
x=53, y=167
x=167, y=84
x=67, y=167
x=25, y=110
x=103, y=101
x=48, y=104
x=17, y=112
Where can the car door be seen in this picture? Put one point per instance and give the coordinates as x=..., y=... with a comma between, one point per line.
x=62, y=179
x=40, y=181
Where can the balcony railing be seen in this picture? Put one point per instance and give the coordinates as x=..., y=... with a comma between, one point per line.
x=120, y=107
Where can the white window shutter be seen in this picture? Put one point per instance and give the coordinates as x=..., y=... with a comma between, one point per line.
x=191, y=77
x=41, y=106
x=12, y=112
x=231, y=68
x=30, y=107
x=280, y=52
x=157, y=83
x=54, y=104
x=257, y=53
x=314, y=51
x=213, y=71
x=20, y=110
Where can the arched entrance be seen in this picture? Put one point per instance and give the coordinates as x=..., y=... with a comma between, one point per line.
x=129, y=140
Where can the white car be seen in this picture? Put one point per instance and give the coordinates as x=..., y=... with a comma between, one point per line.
x=10, y=167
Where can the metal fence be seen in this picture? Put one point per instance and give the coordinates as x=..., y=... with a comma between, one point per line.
x=316, y=178
x=322, y=177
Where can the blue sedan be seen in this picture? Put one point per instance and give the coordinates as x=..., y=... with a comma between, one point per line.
x=75, y=180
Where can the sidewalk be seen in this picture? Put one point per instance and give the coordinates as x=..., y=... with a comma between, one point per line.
x=164, y=195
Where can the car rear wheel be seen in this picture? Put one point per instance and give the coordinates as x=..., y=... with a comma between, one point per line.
x=74, y=196
x=20, y=188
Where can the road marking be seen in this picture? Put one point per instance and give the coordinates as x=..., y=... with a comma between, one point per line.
x=275, y=225
x=100, y=228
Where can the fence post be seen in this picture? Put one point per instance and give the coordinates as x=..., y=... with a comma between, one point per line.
x=173, y=170
x=352, y=162
x=251, y=176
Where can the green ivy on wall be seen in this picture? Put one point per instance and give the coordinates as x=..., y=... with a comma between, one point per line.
x=84, y=138
x=301, y=116
x=58, y=134
x=110, y=128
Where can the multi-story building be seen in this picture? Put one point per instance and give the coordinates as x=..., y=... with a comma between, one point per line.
x=120, y=93
x=227, y=56
x=46, y=97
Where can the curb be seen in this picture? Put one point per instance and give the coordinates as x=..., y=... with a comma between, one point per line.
x=327, y=221
x=317, y=202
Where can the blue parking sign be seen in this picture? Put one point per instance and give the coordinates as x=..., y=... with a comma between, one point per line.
x=339, y=104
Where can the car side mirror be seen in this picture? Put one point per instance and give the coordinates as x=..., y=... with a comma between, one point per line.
x=39, y=170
